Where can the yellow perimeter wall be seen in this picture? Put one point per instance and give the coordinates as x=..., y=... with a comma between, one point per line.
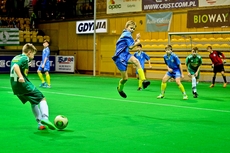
x=63, y=35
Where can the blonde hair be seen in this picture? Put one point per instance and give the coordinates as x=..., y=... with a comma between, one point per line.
x=130, y=22
x=29, y=47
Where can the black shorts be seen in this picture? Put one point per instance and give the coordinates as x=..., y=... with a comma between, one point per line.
x=218, y=68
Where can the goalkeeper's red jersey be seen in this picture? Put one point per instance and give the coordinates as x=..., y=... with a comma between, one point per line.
x=216, y=56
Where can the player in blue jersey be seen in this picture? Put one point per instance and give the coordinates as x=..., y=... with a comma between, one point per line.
x=45, y=66
x=142, y=57
x=25, y=90
x=123, y=57
x=175, y=71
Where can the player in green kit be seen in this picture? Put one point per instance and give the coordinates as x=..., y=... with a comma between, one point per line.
x=193, y=63
x=25, y=90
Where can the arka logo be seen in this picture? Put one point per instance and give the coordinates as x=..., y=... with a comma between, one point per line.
x=113, y=5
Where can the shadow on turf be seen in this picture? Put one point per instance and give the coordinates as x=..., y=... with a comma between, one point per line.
x=56, y=133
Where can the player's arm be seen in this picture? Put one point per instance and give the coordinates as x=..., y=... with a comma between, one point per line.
x=148, y=59
x=198, y=69
x=43, y=64
x=186, y=64
x=137, y=42
x=18, y=72
x=168, y=68
x=150, y=66
x=222, y=55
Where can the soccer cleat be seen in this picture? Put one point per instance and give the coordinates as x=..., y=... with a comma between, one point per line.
x=185, y=97
x=195, y=95
x=160, y=96
x=122, y=94
x=225, y=85
x=145, y=83
x=212, y=85
x=139, y=88
x=43, y=84
x=47, y=86
x=48, y=123
x=41, y=127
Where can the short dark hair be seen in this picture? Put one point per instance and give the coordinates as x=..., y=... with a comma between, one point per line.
x=168, y=47
x=139, y=45
x=209, y=47
x=195, y=49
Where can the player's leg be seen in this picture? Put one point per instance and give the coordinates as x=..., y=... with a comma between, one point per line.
x=194, y=89
x=139, y=82
x=180, y=85
x=48, y=79
x=140, y=71
x=39, y=71
x=194, y=84
x=37, y=113
x=47, y=69
x=45, y=114
x=224, y=77
x=164, y=85
x=121, y=84
x=36, y=97
x=34, y=107
x=215, y=70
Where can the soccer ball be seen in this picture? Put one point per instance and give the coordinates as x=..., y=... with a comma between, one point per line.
x=60, y=122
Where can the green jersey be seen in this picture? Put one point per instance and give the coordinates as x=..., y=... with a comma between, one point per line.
x=193, y=62
x=20, y=88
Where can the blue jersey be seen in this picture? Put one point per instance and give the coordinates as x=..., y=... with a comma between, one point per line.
x=172, y=61
x=122, y=54
x=142, y=57
x=45, y=54
x=124, y=42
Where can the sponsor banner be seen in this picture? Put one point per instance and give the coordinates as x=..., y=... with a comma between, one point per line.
x=64, y=64
x=87, y=26
x=9, y=36
x=122, y=6
x=168, y=4
x=208, y=18
x=205, y=3
x=6, y=60
x=158, y=21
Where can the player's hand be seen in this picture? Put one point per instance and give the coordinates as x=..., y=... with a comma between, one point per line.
x=138, y=41
x=182, y=75
x=212, y=65
x=224, y=61
x=21, y=79
x=170, y=70
x=138, y=36
x=196, y=74
x=189, y=74
x=150, y=66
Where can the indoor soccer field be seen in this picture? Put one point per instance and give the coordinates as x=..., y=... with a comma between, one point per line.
x=100, y=121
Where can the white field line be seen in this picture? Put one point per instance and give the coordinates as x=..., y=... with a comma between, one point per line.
x=134, y=101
